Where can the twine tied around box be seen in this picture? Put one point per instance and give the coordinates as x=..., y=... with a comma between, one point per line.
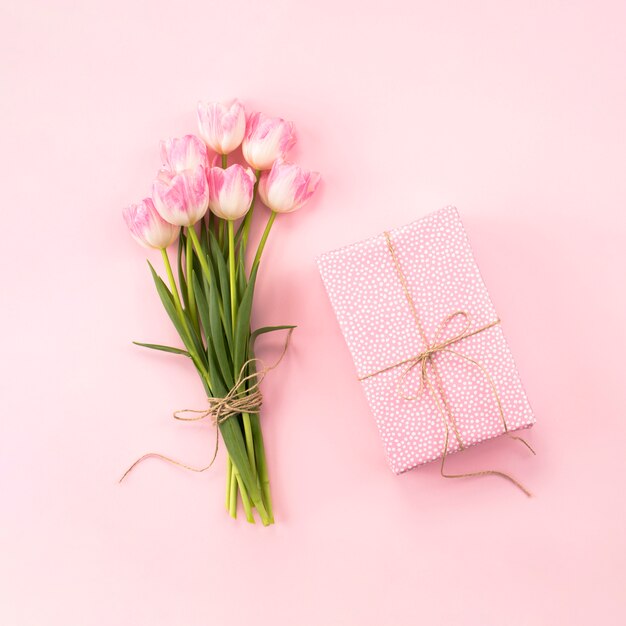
x=434, y=384
x=241, y=398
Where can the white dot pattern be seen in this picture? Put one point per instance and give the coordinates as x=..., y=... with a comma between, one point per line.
x=375, y=318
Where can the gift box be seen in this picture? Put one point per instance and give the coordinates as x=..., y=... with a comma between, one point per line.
x=426, y=340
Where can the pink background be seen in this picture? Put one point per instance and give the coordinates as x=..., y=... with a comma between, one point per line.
x=514, y=112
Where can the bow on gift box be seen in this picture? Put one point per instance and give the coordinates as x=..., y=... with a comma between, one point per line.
x=430, y=378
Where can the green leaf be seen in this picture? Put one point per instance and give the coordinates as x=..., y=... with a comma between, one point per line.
x=213, y=248
x=182, y=244
x=239, y=232
x=242, y=329
x=224, y=284
x=204, y=229
x=218, y=385
x=203, y=306
x=267, y=329
x=197, y=340
x=197, y=267
x=261, y=460
x=217, y=338
x=194, y=347
x=235, y=444
x=233, y=438
x=155, y=346
x=241, y=276
x=257, y=438
x=168, y=304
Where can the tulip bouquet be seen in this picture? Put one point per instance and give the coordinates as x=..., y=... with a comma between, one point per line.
x=209, y=297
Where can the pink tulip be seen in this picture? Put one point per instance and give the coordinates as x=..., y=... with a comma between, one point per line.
x=286, y=187
x=183, y=198
x=266, y=140
x=230, y=191
x=222, y=127
x=183, y=153
x=148, y=227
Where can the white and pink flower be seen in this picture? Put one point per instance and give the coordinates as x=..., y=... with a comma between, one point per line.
x=230, y=191
x=287, y=187
x=147, y=227
x=222, y=127
x=266, y=139
x=181, y=199
x=183, y=153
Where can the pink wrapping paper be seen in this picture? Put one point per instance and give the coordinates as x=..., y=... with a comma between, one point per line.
x=377, y=323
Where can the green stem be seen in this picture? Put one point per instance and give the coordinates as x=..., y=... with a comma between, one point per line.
x=190, y=296
x=245, y=500
x=224, y=238
x=229, y=466
x=266, y=519
x=181, y=315
x=224, y=161
x=173, y=287
x=198, y=248
x=219, y=223
x=245, y=226
x=262, y=472
x=233, y=491
x=247, y=426
x=247, y=429
x=232, y=272
x=266, y=232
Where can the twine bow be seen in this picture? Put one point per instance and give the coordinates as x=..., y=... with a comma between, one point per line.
x=427, y=362
x=241, y=398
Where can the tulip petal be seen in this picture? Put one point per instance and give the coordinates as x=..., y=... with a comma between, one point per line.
x=148, y=227
x=287, y=187
x=222, y=127
x=266, y=140
x=183, y=153
x=230, y=191
x=183, y=198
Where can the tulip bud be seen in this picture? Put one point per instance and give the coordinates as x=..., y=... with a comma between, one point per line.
x=222, y=127
x=183, y=198
x=266, y=140
x=230, y=191
x=286, y=187
x=147, y=227
x=183, y=153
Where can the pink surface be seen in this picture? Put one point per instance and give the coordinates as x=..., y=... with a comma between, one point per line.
x=425, y=409
x=513, y=112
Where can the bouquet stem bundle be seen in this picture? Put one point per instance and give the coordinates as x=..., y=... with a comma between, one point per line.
x=209, y=295
x=213, y=320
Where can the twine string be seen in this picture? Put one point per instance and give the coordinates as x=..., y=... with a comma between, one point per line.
x=241, y=398
x=426, y=361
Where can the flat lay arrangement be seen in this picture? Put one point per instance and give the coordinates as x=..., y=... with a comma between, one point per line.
x=313, y=313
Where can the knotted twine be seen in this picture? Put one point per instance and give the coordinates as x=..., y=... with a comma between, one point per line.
x=241, y=398
x=434, y=384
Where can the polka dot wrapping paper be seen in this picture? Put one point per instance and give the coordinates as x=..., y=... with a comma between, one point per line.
x=371, y=305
